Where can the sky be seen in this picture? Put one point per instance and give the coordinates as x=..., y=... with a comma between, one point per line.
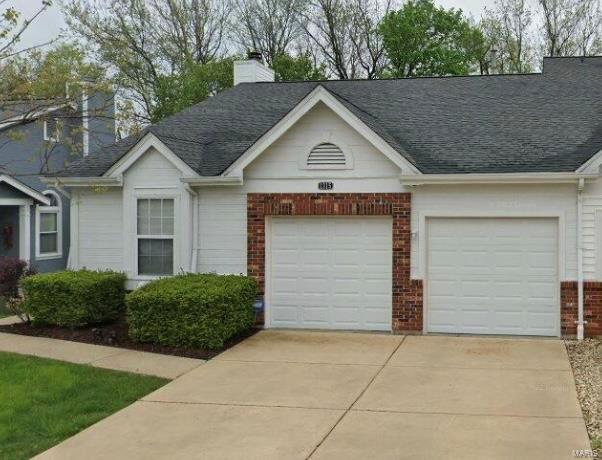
x=49, y=25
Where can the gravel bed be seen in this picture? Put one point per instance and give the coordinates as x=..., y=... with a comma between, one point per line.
x=586, y=360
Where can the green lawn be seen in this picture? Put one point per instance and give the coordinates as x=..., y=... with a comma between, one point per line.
x=597, y=444
x=43, y=402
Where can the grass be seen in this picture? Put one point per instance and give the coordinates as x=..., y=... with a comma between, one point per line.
x=597, y=444
x=43, y=402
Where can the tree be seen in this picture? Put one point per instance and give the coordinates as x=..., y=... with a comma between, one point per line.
x=193, y=85
x=41, y=79
x=344, y=33
x=39, y=74
x=507, y=31
x=144, y=40
x=12, y=27
x=268, y=26
x=571, y=27
x=290, y=68
x=423, y=39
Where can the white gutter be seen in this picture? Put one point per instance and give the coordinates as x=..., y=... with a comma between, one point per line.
x=84, y=181
x=508, y=178
x=580, y=322
x=212, y=180
x=194, y=239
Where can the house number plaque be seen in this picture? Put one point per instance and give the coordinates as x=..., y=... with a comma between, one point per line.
x=325, y=185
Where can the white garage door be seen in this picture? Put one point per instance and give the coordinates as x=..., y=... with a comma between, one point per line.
x=493, y=276
x=329, y=273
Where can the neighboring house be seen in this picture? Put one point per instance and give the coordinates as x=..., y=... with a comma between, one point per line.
x=449, y=205
x=41, y=137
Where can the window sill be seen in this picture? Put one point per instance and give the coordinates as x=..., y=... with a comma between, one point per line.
x=49, y=256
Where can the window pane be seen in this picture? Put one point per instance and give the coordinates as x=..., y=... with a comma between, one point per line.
x=155, y=208
x=142, y=220
x=48, y=243
x=168, y=208
x=155, y=217
x=155, y=226
x=155, y=257
x=167, y=226
x=48, y=222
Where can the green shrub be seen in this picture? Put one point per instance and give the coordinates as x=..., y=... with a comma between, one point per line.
x=194, y=310
x=74, y=298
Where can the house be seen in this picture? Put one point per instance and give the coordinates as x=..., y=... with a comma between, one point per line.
x=37, y=137
x=425, y=205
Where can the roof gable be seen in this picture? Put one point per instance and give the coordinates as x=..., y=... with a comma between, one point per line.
x=23, y=189
x=318, y=95
x=148, y=142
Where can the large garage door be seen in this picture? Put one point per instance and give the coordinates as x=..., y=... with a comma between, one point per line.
x=330, y=273
x=493, y=276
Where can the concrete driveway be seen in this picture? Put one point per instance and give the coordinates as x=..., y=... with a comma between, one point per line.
x=297, y=395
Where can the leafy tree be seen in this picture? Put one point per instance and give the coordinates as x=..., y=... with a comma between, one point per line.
x=193, y=85
x=507, y=30
x=290, y=68
x=13, y=25
x=143, y=40
x=422, y=39
x=268, y=26
x=37, y=80
x=344, y=35
x=571, y=27
x=42, y=74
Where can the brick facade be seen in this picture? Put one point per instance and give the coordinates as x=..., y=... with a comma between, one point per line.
x=592, y=308
x=407, y=293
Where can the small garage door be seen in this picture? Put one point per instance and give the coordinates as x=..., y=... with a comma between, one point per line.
x=329, y=273
x=493, y=276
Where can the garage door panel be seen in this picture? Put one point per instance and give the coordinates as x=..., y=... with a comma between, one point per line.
x=497, y=276
x=341, y=267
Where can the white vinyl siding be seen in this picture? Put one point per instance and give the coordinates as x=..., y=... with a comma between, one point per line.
x=222, y=238
x=330, y=273
x=100, y=229
x=493, y=276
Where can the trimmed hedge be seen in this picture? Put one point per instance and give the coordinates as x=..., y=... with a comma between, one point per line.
x=193, y=310
x=74, y=298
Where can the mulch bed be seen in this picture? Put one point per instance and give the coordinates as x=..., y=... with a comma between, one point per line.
x=116, y=335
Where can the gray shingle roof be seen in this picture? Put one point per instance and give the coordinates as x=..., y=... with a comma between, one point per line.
x=549, y=122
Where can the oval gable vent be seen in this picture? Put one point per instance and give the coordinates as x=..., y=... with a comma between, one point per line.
x=326, y=154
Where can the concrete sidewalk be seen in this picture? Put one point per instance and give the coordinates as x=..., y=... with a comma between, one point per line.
x=118, y=359
x=300, y=395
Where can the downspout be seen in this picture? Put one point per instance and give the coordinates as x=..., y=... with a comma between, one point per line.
x=580, y=322
x=194, y=237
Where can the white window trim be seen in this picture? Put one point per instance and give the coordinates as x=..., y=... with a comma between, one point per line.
x=59, y=227
x=136, y=237
x=47, y=136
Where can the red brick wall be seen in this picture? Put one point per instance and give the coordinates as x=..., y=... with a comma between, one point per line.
x=592, y=307
x=407, y=293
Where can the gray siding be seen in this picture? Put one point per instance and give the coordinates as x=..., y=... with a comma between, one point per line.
x=24, y=155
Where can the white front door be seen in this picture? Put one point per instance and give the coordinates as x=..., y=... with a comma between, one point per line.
x=493, y=276
x=329, y=272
